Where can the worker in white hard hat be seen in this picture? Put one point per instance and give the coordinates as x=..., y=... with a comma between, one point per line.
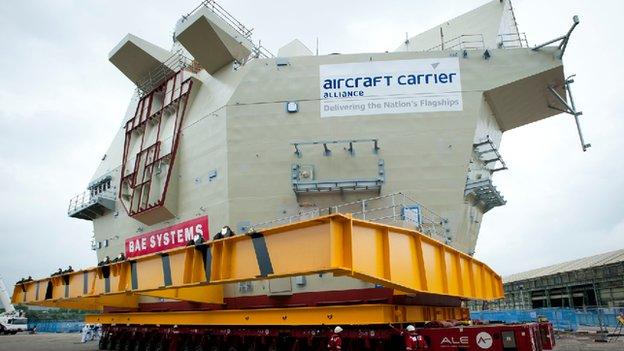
x=412, y=340
x=84, y=333
x=225, y=232
x=335, y=342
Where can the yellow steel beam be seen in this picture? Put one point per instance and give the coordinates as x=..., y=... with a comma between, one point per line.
x=93, y=303
x=394, y=257
x=326, y=315
x=106, y=286
x=200, y=293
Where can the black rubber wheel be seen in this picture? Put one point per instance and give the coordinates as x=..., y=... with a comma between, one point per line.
x=150, y=345
x=112, y=343
x=187, y=345
x=103, y=343
x=121, y=344
x=162, y=345
x=130, y=344
x=139, y=345
x=203, y=344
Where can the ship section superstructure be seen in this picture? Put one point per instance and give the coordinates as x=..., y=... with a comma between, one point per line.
x=242, y=180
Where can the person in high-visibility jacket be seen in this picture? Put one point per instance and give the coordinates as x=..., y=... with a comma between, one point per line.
x=412, y=340
x=335, y=342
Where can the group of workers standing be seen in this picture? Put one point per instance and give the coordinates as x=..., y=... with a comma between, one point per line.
x=412, y=340
x=90, y=332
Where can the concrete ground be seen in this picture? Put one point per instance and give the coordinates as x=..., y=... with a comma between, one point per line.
x=44, y=341
x=586, y=341
x=71, y=342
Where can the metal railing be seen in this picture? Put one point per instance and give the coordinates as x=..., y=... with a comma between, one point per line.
x=512, y=40
x=178, y=60
x=229, y=19
x=86, y=199
x=462, y=42
x=218, y=10
x=261, y=51
x=395, y=209
x=484, y=192
x=477, y=42
x=156, y=76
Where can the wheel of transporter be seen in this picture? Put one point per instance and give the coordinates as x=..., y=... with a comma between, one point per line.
x=103, y=343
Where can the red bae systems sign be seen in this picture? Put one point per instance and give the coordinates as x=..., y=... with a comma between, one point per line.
x=167, y=238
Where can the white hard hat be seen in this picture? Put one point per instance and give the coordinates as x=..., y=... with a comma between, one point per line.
x=337, y=330
x=410, y=328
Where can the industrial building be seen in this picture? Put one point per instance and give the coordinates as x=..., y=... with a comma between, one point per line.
x=595, y=281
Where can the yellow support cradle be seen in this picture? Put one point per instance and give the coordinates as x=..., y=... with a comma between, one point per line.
x=394, y=257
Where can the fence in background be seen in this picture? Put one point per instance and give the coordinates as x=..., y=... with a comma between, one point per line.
x=606, y=317
x=54, y=326
x=562, y=318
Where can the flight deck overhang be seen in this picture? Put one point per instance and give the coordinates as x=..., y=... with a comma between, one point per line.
x=526, y=100
x=213, y=42
x=136, y=58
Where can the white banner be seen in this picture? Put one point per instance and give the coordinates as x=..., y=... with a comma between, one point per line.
x=400, y=86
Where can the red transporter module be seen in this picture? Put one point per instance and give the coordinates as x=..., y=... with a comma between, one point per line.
x=496, y=337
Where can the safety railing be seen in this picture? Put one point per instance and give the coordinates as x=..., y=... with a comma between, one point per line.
x=80, y=201
x=462, y=42
x=224, y=15
x=395, y=209
x=477, y=42
x=174, y=63
x=484, y=193
x=212, y=5
x=261, y=51
x=86, y=199
x=512, y=40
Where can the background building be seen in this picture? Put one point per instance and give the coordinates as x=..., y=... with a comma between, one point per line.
x=595, y=281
